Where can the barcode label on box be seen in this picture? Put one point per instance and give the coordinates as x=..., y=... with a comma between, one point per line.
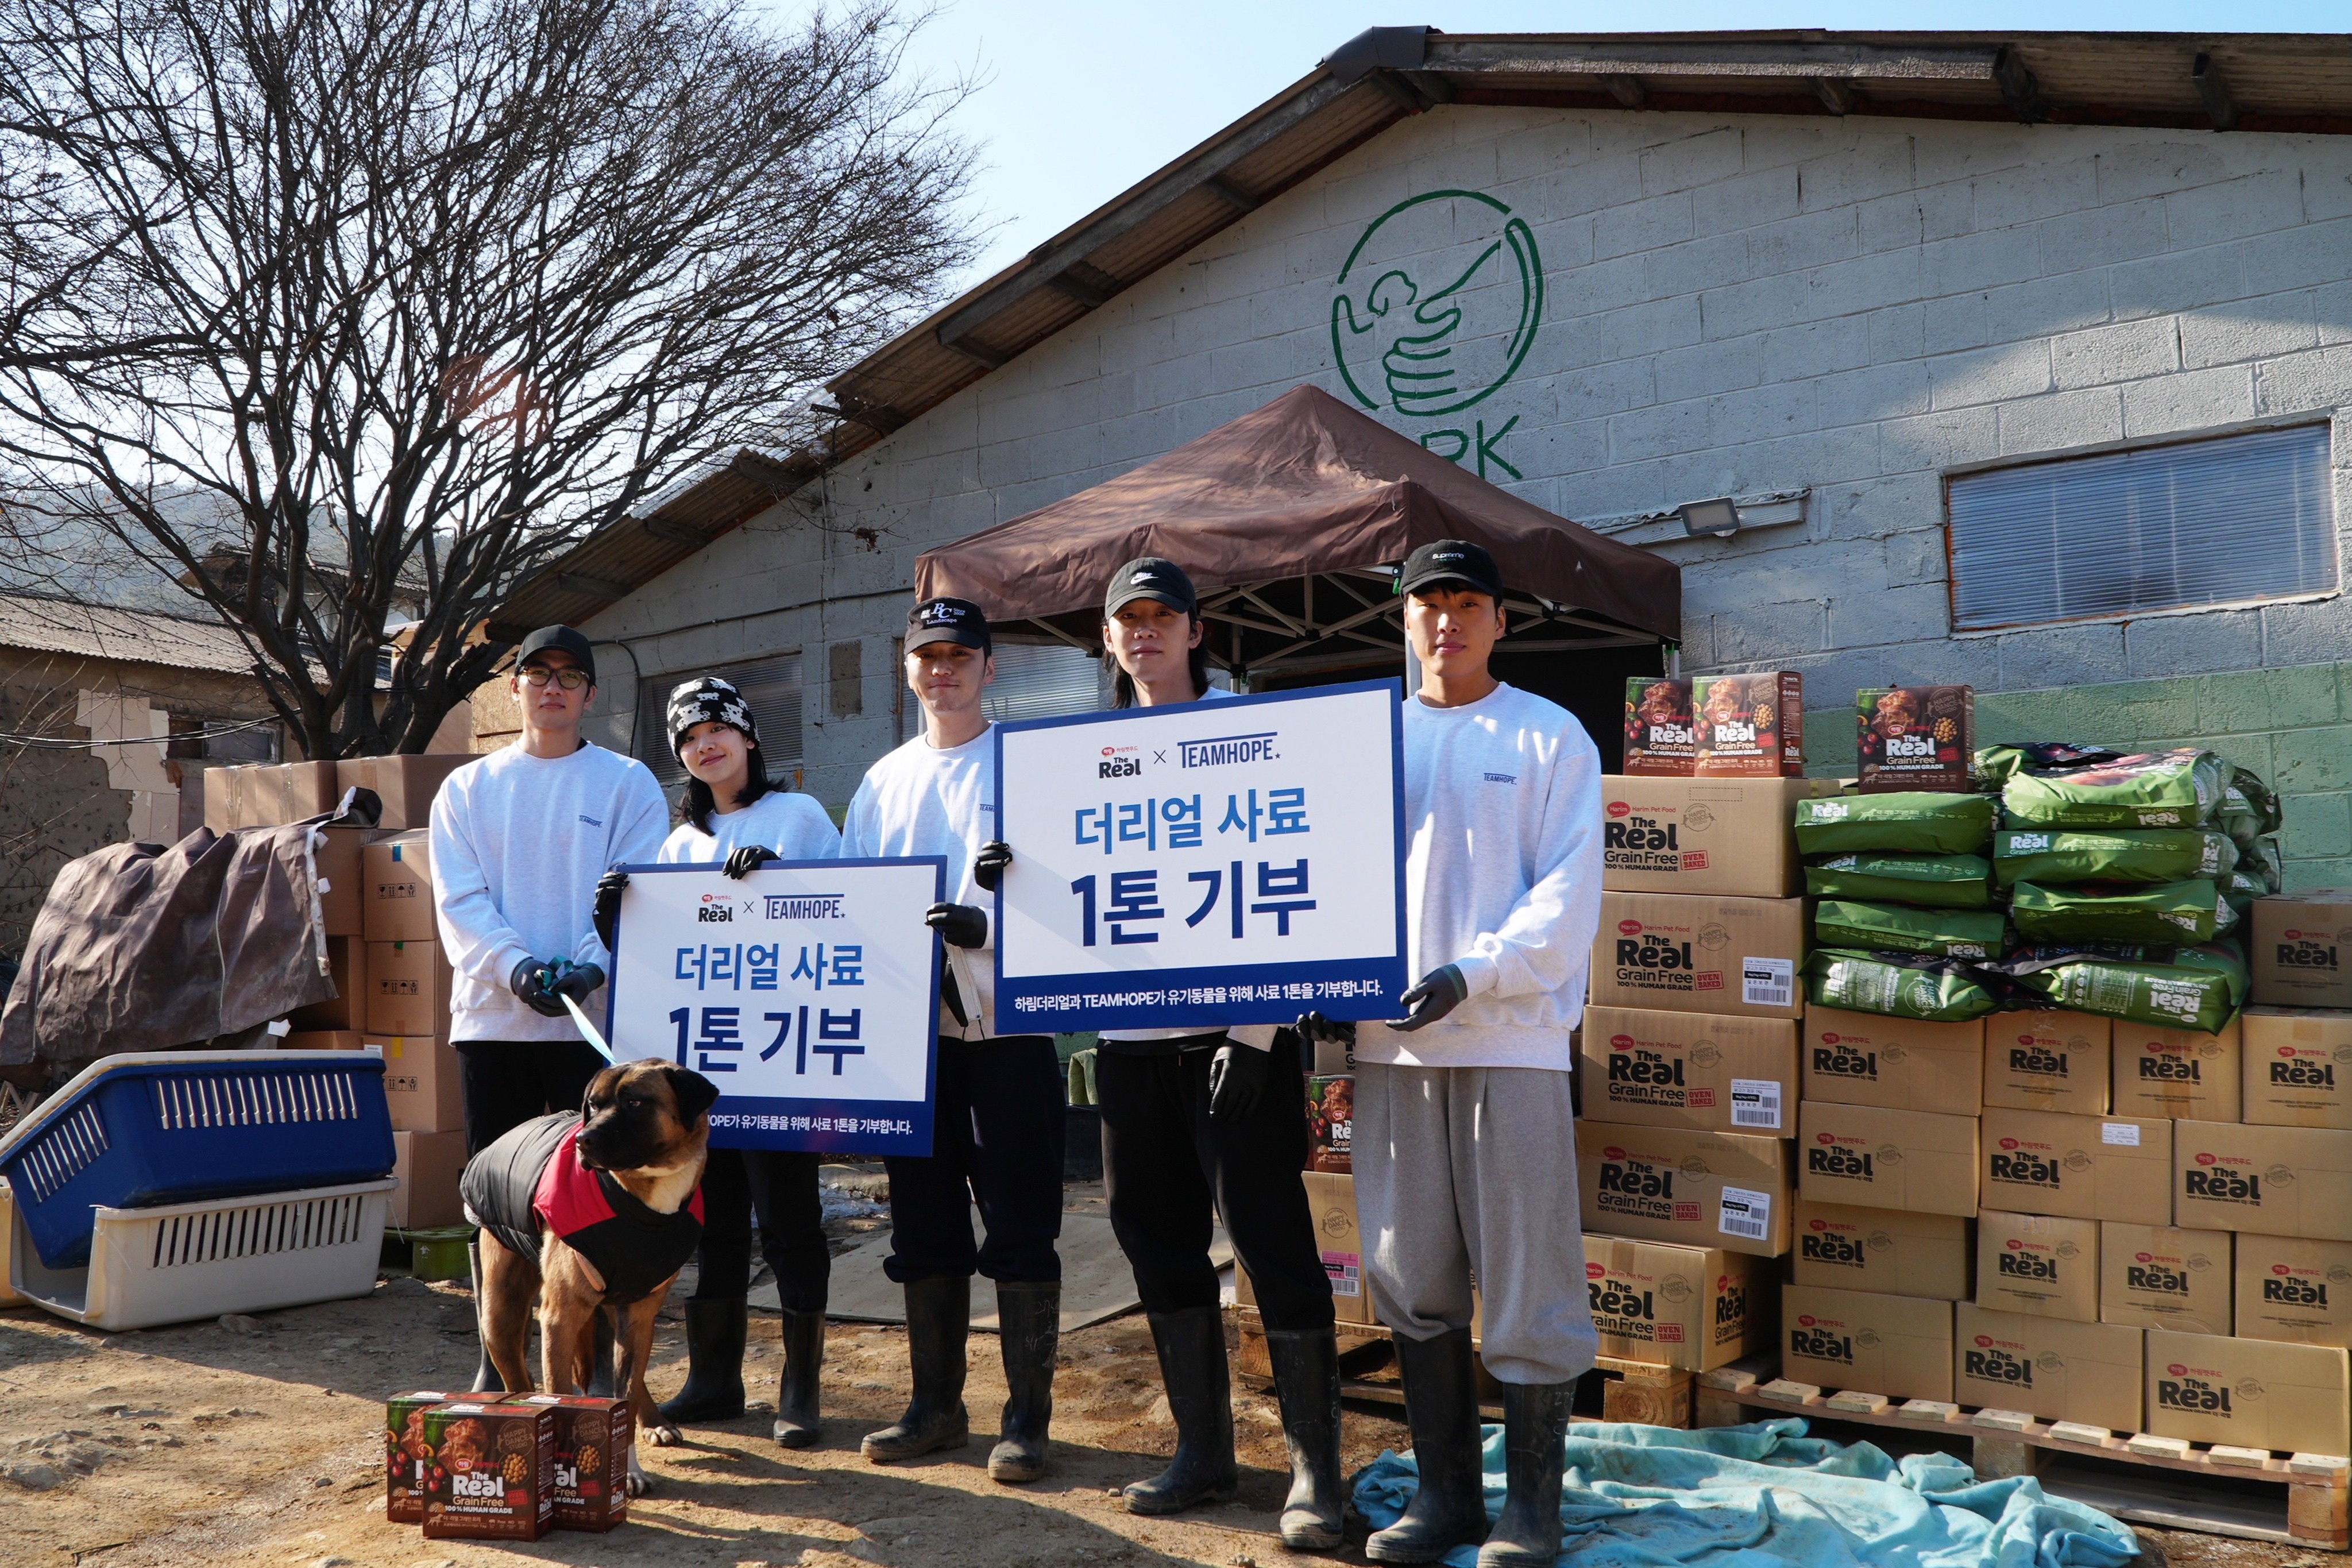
x=1744, y=1214
x=1347, y=1272
x=2122, y=1134
x=1767, y=982
x=1755, y=1102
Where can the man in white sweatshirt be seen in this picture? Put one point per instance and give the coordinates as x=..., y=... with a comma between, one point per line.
x=1464, y=1138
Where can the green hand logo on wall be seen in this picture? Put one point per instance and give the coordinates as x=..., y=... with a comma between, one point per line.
x=1435, y=311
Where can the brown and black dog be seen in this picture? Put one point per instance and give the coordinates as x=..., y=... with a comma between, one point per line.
x=589, y=1212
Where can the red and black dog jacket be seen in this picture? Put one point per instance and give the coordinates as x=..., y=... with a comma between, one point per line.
x=531, y=1183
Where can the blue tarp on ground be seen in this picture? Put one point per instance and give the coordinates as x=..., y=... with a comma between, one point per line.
x=1763, y=1495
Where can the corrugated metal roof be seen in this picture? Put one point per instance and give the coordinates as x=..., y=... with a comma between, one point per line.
x=133, y=637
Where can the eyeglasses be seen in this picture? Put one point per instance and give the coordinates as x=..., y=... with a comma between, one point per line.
x=538, y=675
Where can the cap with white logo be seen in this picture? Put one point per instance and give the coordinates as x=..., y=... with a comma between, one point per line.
x=1455, y=560
x=956, y=621
x=1149, y=577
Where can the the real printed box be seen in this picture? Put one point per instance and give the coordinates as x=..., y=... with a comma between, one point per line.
x=2160, y=1277
x=268, y=794
x=2296, y=1068
x=1700, y=1070
x=406, y=1462
x=397, y=871
x=1914, y=738
x=2289, y=1287
x=2040, y=1264
x=593, y=1438
x=1900, y=1346
x=1892, y=1251
x=423, y=1082
x=2300, y=951
x=1903, y=1064
x=2052, y=1368
x=1729, y=1189
x=2250, y=1393
x=2083, y=1167
x=1871, y=1157
x=1750, y=726
x=427, y=1165
x=321, y=1041
x=1331, y=1204
x=1729, y=836
x=1690, y=1307
x=2185, y=1074
x=1700, y=954
x=347, y=959
x=339, y=859
x=408, y=988
x=1661, y=731
x=2272, y=1181
x=405, y=784
x=494, y=1470
x=2048, y=1061
x=1331, y=1122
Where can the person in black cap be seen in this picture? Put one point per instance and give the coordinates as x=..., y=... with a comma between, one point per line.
x=1464, y=1132
x=997, y=1119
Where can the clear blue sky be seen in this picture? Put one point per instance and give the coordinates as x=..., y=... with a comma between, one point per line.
x=1083, y=99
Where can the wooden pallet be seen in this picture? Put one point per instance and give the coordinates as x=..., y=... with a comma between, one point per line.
x=2296, y=1499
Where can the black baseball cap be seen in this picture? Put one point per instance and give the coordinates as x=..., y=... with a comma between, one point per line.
x=947, y=620
x=1450, y=560
x=549, y=640
x=1149, y=577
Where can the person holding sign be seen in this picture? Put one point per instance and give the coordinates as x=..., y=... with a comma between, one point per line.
x=998, y=1113
x=738, y=818
x=1463, y=1131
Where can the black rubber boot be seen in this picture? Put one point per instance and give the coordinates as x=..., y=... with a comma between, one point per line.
x=1192, y=1345
x=715, y=1333
x=600, y=1364
x=1441, y=1406
x=486, y=1373
x=938, y=1318
x=1307, y=1381
x=1535, y=1428
x=1029, y=1321
x=796, y=1389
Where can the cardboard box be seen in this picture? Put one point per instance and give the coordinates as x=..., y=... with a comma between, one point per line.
x=1333, y=1058
x=2048, y=1061
x=347, y=959
x=2295, y=1289
x=408, y=988
x=1890, y=1251
x=1914, y=738
x=2081, y=1167
x=405, y=785
x=470, y=1499
x=2159, y=1277
x=422, y=1082
x=340, y=873
x=398, y=887
x=2298, y=1068
x=2039, y=1265
x=1331, y=1122
x=321, y=1041
x=1331, y=1201
x=268, y=794
x=1750, y=726
x=427, y=1165
x=593, y=1438
x=2180, y=1073
x=1727, y=836
x=2272, y=1181
x=2252, y=1394
x=1700, y=1070
x=2300, y=950
x=1900, y=1346
x=1903, y=1064
x=1688, y=1307
x=1871, y=1157
x=1725, y=1190
x=404, y=1463
x=2048, y=1367
x=1661, y=731
x=1689, y=953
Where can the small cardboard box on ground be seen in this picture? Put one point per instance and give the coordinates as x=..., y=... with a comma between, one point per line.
x=1690, y=954
x=2300, y=951
x=2184, y=1073
x=1699, y=1070
x=2048, y=1061
x=1875, y=1158
x=347, y=959
x=2081, y=1167
x=1903, y=1064
x=1695, y=1189
x=1892, y=1252
x=1729, y=838
x=2295, y=1289
x=2251, y=1393
x=408, y=989
x=2298, y=1068
x=1688, y=1307
x=2272, y=1181
x=405, y=784
x=2051, y=1368
x=422, y=1082
x=398, y=871
x=2038, y=1265
x=1900, y=1346
x=427, y=1165
x=2160, y=1277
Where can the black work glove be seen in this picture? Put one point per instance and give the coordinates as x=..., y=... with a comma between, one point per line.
x=1440, y=992
x=1314, y=1026
x=577, y=980
x=607, y=917
x=744, y=862
x=1237, y=1075
x=959, y=923
x=988, y=866
x=529, y=982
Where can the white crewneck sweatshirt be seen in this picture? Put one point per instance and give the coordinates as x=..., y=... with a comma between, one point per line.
x=1502, y=877
x=922, y=800
x=794, y=826
x=518, y=844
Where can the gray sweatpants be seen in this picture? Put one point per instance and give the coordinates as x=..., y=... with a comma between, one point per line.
x=1463, y=1170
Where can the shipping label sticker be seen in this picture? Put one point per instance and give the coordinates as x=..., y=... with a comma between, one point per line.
x=1767, y=982
x=2122, y=1134
x=1745, y=1213
x=1755, y=1102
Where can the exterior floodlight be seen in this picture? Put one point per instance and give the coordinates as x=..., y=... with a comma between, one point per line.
x=1719, y=517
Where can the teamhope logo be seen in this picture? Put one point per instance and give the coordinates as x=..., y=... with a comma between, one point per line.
x=1433, y=312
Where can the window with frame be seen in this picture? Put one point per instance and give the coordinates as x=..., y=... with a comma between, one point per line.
x=771, y=686
x=2225, y=521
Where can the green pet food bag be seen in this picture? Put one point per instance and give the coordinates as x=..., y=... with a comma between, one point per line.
x=1935, y=991
x=2152, y=789
x=2053, y=856
x=2197, y=988
x=1936, y=881
x=2183, y=911
x=1908, y=822
x=1896, y=928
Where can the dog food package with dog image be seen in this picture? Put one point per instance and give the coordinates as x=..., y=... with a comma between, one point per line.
x=1927, y=881
x=406, y=1464
x=1914, y=737
x=1331, y=1122
x=2150, y=789
x=1661, y=731
x=493, y=1471
x=1908, y=822
x=592, y=1442
x=1750, y=726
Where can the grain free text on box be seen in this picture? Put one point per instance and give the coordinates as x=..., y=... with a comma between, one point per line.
x=1700, y=954
x=1729, y=836
x=1688, y=1307
x=1695, y=1189
x=1699, y=1070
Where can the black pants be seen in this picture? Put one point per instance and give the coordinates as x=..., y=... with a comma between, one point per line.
x=508, y=1082
x=996, y=1138
x=780, y=1186
x=1170, y=1167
